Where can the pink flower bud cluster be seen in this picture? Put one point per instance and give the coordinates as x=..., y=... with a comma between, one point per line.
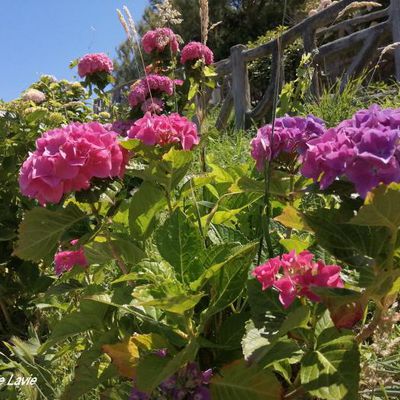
x=159, y=40
x=65, y=260
x=94, y=63
x=194, y=51
x=66, y=159
x=163, y=130
x=295, y=275
x=154, y=84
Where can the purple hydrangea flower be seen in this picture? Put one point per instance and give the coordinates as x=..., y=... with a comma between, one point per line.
x=365, y=149
x=290, y=136
x=189, y=383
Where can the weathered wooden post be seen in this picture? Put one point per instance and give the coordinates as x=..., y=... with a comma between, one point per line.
x=240, y=85
x=395, y=22
x=310, y=45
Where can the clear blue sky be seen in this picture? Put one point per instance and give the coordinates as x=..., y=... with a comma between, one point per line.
x=42, y=36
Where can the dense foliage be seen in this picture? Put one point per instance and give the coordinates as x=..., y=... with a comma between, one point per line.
x=155, y=259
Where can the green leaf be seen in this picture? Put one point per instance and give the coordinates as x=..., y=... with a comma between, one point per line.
x=41, y=230
x=87, y=374
x=101, y=253
x=153, y=370
x=179, y=242
x=194, y=88
x=89, y=316
x=259, y=342
x=178, y=162
x=298, y=318
x=294, y=244
x=219, y=257
x=146, y=203
x=381, y=208
x=229, y=278
x=353, y=244
x=175, y=304
x=209, y=71
x=331, y=371
x=265, y=307
x=238, y=381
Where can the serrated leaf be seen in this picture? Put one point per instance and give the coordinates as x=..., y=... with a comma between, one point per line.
x=228, y=279
x=145, y=204
x=238, y=381
x=41, y=230
x=179, y=242
x=331, y=371
x=101, y=252
x=176, y=304
x=353, y=244
x=381, y=208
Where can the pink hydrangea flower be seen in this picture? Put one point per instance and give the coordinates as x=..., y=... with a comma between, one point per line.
x=159, y=39
x=65, y=260
x=93, y=63
x=153, y=106
x=295, y=275
x=154, y=84
x=194, y=51
x=163, y=130
x=66, y=159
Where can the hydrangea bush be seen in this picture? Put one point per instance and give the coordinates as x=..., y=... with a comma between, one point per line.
x=173, y=276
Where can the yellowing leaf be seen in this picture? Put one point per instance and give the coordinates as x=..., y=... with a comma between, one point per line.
x=292, y=218
x=125, y=355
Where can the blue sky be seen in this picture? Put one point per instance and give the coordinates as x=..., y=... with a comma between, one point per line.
x=42, y=36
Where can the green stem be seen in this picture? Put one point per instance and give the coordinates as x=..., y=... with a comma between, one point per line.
x=198, y=216
x=168, y=197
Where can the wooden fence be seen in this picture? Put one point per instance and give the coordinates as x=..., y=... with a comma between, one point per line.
x=383, y=29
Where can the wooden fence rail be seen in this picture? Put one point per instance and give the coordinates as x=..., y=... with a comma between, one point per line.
x=384, y=29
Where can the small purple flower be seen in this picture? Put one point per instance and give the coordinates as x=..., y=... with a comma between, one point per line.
x=138, y=395
x=202, y=393
x=207, y=375
x=179, y=394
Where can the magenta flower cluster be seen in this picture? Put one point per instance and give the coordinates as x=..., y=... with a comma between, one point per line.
x=189, y=383
x=66, y=159
x=65, y=260
x=94, y=63
x=151, y=84
x=295, y=275
x=365, y=149
x=163, y=130
x=159, y=40
x=195, y=51
x=289, y=135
